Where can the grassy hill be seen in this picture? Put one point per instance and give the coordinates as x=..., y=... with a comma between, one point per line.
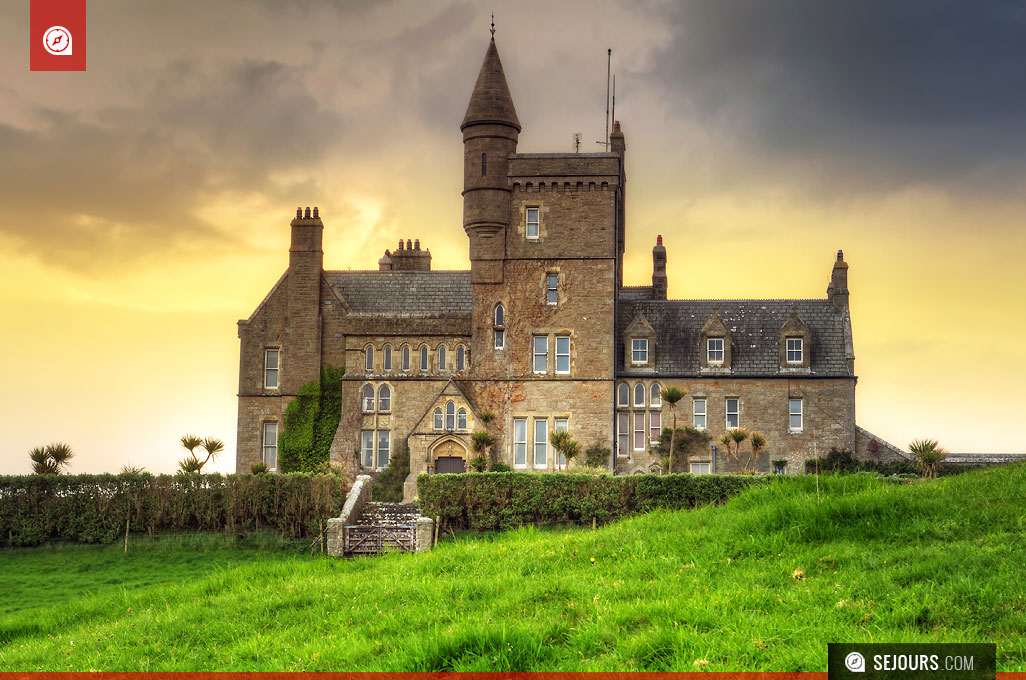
x=761, y=583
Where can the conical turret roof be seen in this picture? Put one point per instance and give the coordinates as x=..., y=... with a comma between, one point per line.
x=491, y=101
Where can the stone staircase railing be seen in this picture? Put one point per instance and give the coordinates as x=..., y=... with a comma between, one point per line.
x=366, y=528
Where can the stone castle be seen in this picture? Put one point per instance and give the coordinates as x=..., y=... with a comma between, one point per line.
x=541, y=332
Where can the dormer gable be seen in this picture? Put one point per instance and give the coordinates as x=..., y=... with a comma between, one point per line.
x=714, y=344
x=794, y=344
x=639, y=343
x=449, y=404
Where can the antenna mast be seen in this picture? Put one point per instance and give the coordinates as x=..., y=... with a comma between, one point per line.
x=609, y=59
x=614, y=100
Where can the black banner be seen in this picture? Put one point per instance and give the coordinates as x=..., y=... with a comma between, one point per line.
x=873, y=661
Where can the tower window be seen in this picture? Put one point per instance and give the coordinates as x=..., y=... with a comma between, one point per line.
x=533, y=219
x=484, y=164
x=500, y=326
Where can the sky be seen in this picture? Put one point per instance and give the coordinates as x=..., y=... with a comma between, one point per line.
x=145, y=202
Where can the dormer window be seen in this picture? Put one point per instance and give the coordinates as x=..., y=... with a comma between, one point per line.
x=795, y=351
x=639, y=351
x=499, y=321
x=714, y=350
x=533, y=220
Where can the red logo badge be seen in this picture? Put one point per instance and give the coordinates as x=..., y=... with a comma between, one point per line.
x=57, y=40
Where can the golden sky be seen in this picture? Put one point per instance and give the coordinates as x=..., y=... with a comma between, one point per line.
x=144, y=203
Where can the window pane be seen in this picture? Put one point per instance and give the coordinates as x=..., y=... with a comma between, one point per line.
x=383, y=447
x=461, y=420
x=423, y=358
x=384, y=399
x=438, y=419
x=639, y=431
x=541, y=353
x=541, y=441
x=270, y=456
x=368, y=398
x=441, y=358
x=622, y=434
x=369, y=365
x=387, y=363
x=639, y=395
x=368, y=448
x=500, y=339
x=796, y=422
x=656, y=399
x=622, y=394
x=520, y=442
x=271, y=377
x=271, y=358
x=406, y=358
x=461, y=358
x=562, y=354
x=655, y=427
x=500, y=315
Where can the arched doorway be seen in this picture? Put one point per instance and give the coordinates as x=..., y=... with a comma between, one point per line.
x=450, y=457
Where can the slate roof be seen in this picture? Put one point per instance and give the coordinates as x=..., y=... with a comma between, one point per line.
x=754, y=326
x=491, y=101
x=397, y=294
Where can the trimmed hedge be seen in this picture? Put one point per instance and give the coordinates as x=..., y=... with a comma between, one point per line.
x=503, y=500
x=35, y=509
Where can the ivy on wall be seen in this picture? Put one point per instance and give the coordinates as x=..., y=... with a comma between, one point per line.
x=311, y=420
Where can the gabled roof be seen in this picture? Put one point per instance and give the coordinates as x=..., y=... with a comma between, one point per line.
x=431, y=294
x=754, y=326
x=491, y=101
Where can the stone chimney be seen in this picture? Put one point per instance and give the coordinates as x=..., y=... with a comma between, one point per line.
x=408, y=258
x=659, y=282
x=616, y=140
x=837, y=291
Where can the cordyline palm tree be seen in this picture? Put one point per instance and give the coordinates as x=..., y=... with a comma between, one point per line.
x=565, y=446
x=929, y=454
x=671, y=395
x=733, y=440
x=481, y=442
x=50, y=459
x=192, y=463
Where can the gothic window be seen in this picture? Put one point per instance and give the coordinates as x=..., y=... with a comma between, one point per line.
x=461, y=358
x=639, y=395
x=369, y=358
x=387, y=358
x=500, y=326
x=368, y=399
x=450, y=416
x=656, y=397
x=271, y=366
x=424, y=358
x=384, y=399
x=461, y=419
x=438, y=419
x=441, y=358
x=406, y=358
x=623, y=395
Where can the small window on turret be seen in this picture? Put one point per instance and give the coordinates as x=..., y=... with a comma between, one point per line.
x=533, y=219
x=484, y=164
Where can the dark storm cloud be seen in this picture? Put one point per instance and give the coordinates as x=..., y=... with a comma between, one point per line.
x=104, y=189
x=857, y=95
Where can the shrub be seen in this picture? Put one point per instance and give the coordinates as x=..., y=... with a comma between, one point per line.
x=258, y=468
x=687, y=441
x=95, y=508
x=388, y=487
x=597, y=455
x=311, y=420
x=501, y=467
x=509, y=499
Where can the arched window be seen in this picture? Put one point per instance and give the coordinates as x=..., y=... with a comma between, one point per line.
x=450, y=416
x=500, y=326
x=656, y=398
x=386, y=363
x=441, y=357
x=424, y=358
x=384, y=398
x=406, y=358
x=639, y=395
x=623, y=395
x=461, y=419
x=484, y=164
x=369, y=365
x=438, y=419
x=368, y=399
x=461, y=358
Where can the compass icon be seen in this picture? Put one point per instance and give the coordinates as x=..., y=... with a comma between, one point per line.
x=57, y=41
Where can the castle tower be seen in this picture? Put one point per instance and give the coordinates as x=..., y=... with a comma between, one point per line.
x=490, y=133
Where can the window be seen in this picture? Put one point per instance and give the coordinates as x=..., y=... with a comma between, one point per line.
x=623, y=435
x=563, y=354
x=438, y=419
x=795, y=410
x=655, y=426
x=639, y=430
x=541, y=442
x=461, y=419
x=423, y=358
x=384, y=399
x=780, y=467
x=639, y=395
x=733, y=413
x=794, y=350
x=561, y=424
x=541, y=353
x=387, y=359
x=532, y=222
x=368, y=448
x=699, y=414
x=484, y=164
x=623, y=395
x=369, y=360
x=656, y=398
x=271, y=446
x=715, y=350
x=700, y=468
x=406, y=358
x=450, y=416
x=639, y=351
x=500, y=326
x=368, y=399
x=271, y=368
x=461, y=358
x=441, y=358
x=520, y=442
x=552, y=289
x=383, y=441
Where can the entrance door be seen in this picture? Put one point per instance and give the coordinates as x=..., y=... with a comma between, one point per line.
x=450, y=465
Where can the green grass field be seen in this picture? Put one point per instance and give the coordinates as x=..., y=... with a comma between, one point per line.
x=761, y=583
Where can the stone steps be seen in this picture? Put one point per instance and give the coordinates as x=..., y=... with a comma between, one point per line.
x=388, y=514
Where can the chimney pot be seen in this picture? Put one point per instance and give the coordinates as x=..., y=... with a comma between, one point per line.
x=840, y=255
x=416, y=244
x=409, y=244
x=659, y=240
x=306, y=213
x=315, y=212
x=299, y=213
